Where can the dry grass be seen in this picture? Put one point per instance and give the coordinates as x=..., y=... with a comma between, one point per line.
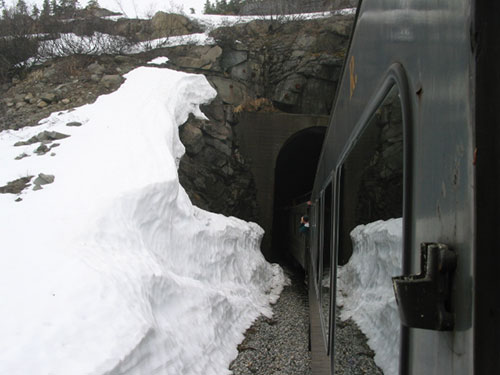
x=256, y=105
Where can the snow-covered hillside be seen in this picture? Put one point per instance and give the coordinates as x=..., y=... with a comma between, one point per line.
x=109, y=269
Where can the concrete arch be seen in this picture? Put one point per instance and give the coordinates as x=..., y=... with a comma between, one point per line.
x=262, y=137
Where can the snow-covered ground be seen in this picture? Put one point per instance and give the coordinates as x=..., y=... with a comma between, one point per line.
x=365, y=288
x=99, y=43
x=110, y=269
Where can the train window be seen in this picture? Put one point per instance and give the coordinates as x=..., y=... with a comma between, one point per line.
x=371, y=189
x=326, y=259
x=317, y=236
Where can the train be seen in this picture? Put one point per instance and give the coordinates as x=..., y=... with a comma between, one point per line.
x=414, y=133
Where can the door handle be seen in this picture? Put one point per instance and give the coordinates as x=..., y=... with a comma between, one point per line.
x=424, y=299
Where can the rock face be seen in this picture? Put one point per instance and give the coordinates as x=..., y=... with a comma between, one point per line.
x=212, y=172
x=198, y=57
x=160, y=26
x=261, y=65
x=166, y=24
x=264, y=65
x=295, y=64
x=60, y=85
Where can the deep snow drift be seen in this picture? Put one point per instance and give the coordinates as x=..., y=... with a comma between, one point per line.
x=110, y=269
x=365, y=288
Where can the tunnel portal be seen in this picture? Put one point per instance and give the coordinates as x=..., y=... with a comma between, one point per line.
x=283, y=151
x=296, y=165
x=294, y=179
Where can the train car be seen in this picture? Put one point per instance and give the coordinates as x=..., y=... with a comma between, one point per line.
x=414, y=132
x=296, y=241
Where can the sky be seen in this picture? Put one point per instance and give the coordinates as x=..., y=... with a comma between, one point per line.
x=142, y=8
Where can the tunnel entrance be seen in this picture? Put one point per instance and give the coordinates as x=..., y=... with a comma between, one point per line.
x=262, y=138
x=295, y=170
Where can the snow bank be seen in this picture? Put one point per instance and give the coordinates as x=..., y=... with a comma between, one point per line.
x=110, y=269
x=365, y=288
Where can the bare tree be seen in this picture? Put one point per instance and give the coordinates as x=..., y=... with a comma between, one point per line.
x=71, y=44
x=16, y=42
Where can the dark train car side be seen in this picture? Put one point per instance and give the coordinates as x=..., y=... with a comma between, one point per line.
x=415, y=133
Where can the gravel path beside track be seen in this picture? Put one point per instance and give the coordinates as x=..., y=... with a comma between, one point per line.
x=353, y=356
x=279, y=346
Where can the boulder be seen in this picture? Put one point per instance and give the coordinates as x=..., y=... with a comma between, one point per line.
x=200, y=57
x=16, y=186
x=95, y=68
x=231, y=92
x=244, y=71
x=28, y=98
x=166, y=24
x=288, y=91
x=21, y=156
x=192, y=138
x=43, y=179
x=42, y=149
x=215, y=110
x=218, y=131
x=112, y=80
x=44, y=137
x=42, y=104
x=48, y=97
x=231, y=58
x=221, y=147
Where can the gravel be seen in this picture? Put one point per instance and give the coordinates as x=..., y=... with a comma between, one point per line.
x=353, y=356
x=279, y=346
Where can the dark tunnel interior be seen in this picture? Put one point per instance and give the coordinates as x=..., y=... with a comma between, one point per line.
x=294, y=178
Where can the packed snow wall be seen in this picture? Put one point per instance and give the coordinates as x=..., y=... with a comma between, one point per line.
x=365, y=288
x=106, y=267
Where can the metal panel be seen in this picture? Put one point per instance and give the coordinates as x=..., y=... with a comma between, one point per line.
x=431, y=42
